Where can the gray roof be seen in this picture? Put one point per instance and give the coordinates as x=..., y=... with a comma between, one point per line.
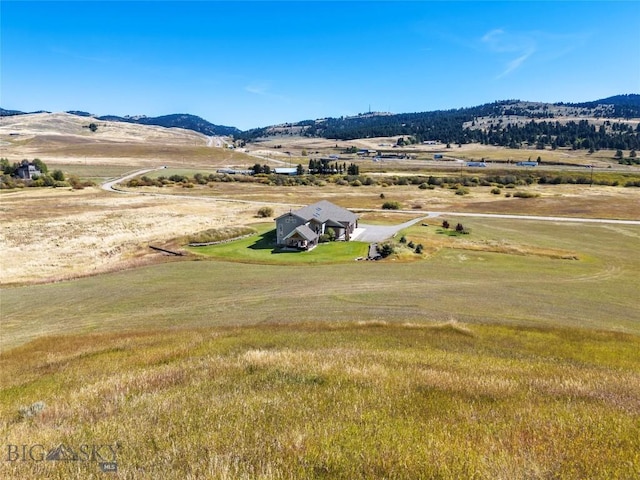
x=324, y=211
x=305, y=232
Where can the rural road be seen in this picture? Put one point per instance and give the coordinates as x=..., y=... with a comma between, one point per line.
x=373, y=233
x=109, y=185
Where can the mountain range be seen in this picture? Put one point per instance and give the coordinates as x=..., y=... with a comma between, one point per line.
x=502, y=122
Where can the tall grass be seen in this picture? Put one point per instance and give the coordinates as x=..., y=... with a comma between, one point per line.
x=343, y=400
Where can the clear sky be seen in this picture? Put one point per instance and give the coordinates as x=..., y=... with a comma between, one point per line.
x=252, y=64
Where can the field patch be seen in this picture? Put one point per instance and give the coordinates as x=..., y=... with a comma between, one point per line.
x=345, y=400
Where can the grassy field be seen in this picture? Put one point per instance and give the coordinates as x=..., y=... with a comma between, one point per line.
x=513, y=273
x=328, y=400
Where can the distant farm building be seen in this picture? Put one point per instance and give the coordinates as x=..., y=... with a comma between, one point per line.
x=27, y=170
x=286, y=170
x=392, y=155
x=365, y=152
x=302, y=228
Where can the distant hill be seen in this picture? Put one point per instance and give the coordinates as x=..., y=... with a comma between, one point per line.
x=10, y=113
x=596, y=125
x=178, y=120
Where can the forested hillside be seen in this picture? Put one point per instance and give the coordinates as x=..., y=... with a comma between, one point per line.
x=601, y=124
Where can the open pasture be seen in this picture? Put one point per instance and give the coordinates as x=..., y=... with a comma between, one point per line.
x=513, y=273
x=339, y=400
x=554, y=200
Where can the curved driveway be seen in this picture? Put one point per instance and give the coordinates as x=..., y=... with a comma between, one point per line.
x=378, y=233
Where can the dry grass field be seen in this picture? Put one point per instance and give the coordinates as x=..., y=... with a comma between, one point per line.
x=56, y=234
x=63, y=139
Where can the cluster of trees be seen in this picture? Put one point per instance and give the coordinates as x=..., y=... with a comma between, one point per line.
x=56, y=178
x=632, y=159
x=325, y=166
x=410, y=244
x=257, y=168
x=459, y=228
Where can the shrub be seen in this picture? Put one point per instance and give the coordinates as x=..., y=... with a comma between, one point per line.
x=460, y=229
x=419, y=249
x=391, y=205
x=526, y=194
x=423, y=186
x=445, y=224
x=495, y=191
x=462, y=191
x=78, y=184
x=178, y=178
x=265, y=212
x=356, y=183
x=386, y=249
x=411, y=244
x=403, y=239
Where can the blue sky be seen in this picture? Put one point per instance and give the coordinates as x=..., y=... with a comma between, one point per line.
x=252, y=64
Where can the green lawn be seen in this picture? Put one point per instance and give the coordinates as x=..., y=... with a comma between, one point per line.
x=261, y=249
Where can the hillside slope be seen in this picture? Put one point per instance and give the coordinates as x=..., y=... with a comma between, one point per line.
x=177, y=120
x=610, y=123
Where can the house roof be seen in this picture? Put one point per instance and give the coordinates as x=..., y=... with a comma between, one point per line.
x=324, y=211
x=286, y=170
x=305, y=232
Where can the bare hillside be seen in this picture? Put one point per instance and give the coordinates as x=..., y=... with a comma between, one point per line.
x=66, y=138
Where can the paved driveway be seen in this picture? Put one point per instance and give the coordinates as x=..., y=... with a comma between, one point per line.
x=379, y=233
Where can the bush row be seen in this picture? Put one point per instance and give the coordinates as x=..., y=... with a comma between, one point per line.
x=422, y=181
